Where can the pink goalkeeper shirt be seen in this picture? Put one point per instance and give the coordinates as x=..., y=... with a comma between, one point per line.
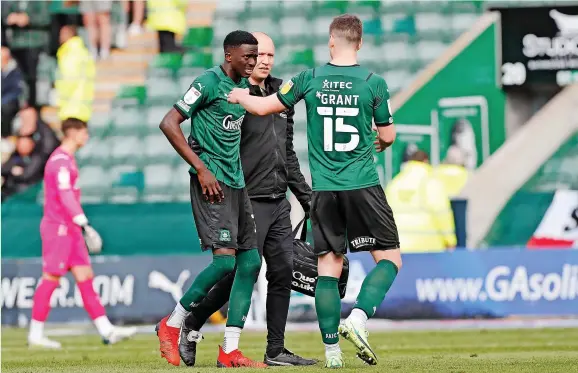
x=61, y=193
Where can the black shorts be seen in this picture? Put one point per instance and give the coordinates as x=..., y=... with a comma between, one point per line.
x=228, y=224
x=360, y=219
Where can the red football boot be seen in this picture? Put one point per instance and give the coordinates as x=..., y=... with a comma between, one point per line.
x=169, y=341
x=235, y=359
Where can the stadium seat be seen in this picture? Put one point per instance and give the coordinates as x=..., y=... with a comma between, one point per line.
x=224, y=25
x=303, y=58
x=198, y=37
x=94, y=182
x=124, y=148
x=431, y=21
x=427, y=51
x=162, y=89
x=330, y=7
x=462, y=22
x=363, y=7
x=267, y=8
x=181, y=181
x=156, y=147
x=397, y=79
x=230, y=8
x=264, y=24
x=127, y=182
x=131, y=95
x=396, y=51
x=158, y=180
x=193, y=65
x=373, y=27
x=295, y=29
x=128, y=118
x=155, y=114
x=321, y=28
x=165, y=65
x=96, y=151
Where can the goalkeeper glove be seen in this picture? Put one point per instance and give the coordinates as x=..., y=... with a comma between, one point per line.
x=91, y=237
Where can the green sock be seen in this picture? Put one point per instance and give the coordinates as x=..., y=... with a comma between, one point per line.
x=248, y=267
x=375, y=286
x=328, y=306
x=219, y=268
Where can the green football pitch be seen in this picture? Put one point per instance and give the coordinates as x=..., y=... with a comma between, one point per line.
x=495, y=351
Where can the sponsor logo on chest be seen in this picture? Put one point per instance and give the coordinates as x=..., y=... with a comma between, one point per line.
x=232, y=125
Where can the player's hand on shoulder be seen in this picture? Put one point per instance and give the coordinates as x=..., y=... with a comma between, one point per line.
x=92, y=239
x=235, y=95
x=211, y=188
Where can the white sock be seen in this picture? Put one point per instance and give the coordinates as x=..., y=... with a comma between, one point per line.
x=178, y=316
x=36, y=329
x=104, y=53
x=359, y=317
x=103, y=326
x=231, y=342
x=333, y=348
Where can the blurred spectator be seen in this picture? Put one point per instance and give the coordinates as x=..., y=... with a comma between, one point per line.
x=136, y=11
x=27, y=36
x=421, y=208
x=167, y=17
x=25, y=167
x=76, y=74
x=96, y=17
x=452, y=172
x=14, y=91
x=62, y=13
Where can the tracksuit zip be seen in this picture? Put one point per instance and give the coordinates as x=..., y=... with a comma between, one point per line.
x=276, y=154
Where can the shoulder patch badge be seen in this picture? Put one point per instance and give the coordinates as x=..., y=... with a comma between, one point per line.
x=286, y=87
x=191, y=96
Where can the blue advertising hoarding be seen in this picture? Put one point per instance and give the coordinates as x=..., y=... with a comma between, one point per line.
x=462, y=284
x=492, y=283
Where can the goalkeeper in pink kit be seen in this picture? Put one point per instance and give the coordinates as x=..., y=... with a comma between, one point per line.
x=66, y=239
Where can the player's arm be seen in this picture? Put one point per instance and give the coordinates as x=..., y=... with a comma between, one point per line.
x=61, y=170
x=382, y=115
x=295, y=178
x=290, y=93
x=171, y=128
x=193, y=100
x=254, y=104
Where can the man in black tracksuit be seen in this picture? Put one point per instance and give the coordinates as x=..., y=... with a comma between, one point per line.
x=270, y=166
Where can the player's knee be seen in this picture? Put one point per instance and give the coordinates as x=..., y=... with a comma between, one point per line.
x=82, y=273
x=249, y=264
x=51, y=277
x=224, y=264
x=330, y=265
x=393, y=256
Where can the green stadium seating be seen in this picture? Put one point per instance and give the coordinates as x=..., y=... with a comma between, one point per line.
x=135, y=94
x=129, y=160
x=198, y=37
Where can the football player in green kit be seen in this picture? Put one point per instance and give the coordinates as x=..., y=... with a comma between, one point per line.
x=221, y=206
x=349, y=207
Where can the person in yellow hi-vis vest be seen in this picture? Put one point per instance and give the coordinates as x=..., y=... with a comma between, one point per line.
x=421, y=208
x=168, y=19
x=452, y=172
x=75, y=80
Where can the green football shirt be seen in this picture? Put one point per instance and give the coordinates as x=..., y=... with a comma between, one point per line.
x=341, y=103
x=216, y=124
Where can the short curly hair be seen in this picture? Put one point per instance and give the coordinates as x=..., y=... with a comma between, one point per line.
x=237, y=38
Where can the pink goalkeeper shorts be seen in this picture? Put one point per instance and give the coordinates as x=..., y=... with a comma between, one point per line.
x=63, y=247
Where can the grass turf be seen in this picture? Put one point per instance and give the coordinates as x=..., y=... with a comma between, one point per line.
x=503, y=351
